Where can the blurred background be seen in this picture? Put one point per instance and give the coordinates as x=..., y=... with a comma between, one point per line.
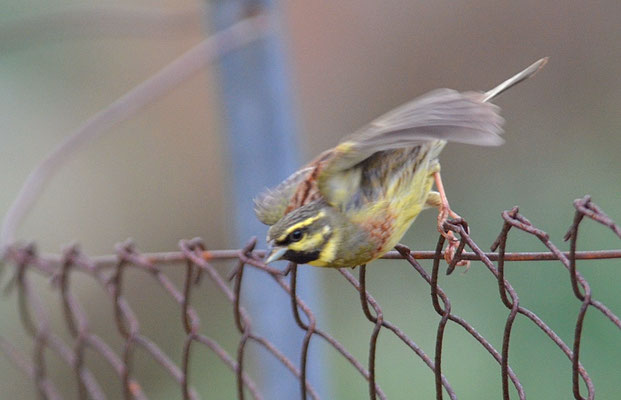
x=163, y=174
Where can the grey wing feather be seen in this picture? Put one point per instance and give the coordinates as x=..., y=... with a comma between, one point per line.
x=270, y=206
x=442, y=114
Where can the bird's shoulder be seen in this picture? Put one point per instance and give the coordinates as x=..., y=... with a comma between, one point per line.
x=272, y=204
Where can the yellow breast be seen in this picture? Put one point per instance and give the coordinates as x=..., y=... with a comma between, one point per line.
x=389, y=218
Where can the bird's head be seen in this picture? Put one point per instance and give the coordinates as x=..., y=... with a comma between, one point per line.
x=303, y=235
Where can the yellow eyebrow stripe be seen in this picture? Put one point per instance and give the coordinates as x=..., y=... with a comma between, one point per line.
x=301, y=224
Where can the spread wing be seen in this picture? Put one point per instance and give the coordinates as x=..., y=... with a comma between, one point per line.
x=271, y=205
x=442, y=114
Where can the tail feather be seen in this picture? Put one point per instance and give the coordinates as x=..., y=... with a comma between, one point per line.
x=514, y=80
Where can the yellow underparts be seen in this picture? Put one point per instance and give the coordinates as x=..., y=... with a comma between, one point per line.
x=407, y=204
x=402, y=202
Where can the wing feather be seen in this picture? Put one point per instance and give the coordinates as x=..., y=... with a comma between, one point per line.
x=271, y=204
x=442, y=114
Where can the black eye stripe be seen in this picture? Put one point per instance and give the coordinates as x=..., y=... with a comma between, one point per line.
x=292, y=237
x=296, y=235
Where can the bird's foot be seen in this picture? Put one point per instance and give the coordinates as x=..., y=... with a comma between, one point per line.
x=444, y=212
x=451, y=249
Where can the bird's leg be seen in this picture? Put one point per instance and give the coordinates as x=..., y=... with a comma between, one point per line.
x=443, y=206
x=438, y=199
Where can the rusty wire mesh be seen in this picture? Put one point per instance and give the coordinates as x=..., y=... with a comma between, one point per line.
x=109, y=272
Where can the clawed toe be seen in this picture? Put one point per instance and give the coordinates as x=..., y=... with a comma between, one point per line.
x=451, y=249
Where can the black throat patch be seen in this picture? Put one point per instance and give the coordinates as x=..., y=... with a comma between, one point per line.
x=301, y=257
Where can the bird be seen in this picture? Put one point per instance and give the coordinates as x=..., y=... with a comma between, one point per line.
x=354, y=202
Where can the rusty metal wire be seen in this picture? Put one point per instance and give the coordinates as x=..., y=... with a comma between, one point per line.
x=109, y=273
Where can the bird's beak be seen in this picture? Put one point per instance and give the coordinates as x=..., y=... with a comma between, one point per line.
x=275, y=254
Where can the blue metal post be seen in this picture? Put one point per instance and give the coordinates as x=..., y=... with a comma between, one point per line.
x=262, y=151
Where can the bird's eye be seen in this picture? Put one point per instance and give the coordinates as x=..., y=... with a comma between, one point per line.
x=296, y=235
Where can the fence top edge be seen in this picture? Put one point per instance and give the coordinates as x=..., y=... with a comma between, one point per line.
x=49, y=261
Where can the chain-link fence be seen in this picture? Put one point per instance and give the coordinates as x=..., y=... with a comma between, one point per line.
x=109, y=272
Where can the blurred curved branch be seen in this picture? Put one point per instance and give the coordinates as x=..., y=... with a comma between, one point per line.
x=87, y=22
x=237, y=35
